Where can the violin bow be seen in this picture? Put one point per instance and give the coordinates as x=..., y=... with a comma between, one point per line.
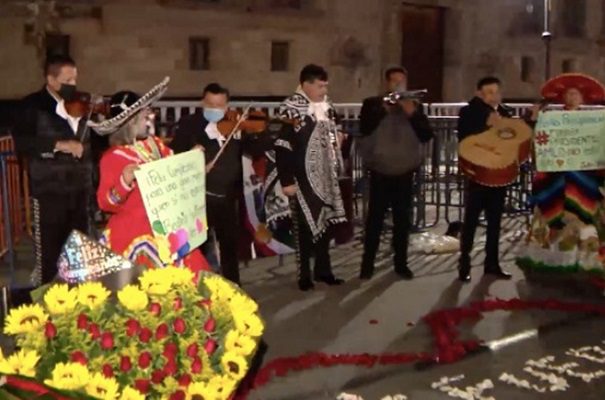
x=241, y=119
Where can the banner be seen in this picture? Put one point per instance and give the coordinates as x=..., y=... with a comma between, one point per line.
x=570, y=141
x=174, y=193
x=269, y=239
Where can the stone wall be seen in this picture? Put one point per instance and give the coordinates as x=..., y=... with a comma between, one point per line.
x=133, y=44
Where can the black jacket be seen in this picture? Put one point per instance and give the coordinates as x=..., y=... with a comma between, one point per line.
x=36, y=131
x=225, y=179
x=373, y=111
x=473, y=117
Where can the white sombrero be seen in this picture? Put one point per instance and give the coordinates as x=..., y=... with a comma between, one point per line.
x=111, y=125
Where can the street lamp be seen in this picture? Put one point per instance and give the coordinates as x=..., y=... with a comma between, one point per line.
x=547, y=38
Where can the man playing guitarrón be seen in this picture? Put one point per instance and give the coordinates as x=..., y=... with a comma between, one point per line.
x=482, y=112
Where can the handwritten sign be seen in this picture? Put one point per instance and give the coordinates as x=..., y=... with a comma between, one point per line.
x=174, y=194
x=570, y=141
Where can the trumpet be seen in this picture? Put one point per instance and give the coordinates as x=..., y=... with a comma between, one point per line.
x=394, y=97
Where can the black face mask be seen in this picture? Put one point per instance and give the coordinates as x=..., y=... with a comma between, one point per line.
x=67, y=91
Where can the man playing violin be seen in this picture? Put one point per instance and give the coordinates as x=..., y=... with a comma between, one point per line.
x=224, y=182
x=54, y=143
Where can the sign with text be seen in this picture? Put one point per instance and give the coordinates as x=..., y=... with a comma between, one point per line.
x=174, y=193
x=570, y=141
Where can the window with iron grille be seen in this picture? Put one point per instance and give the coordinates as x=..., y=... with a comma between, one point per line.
x=573, y=18
x=280, y=56
x=57, y=44
x=199, y=53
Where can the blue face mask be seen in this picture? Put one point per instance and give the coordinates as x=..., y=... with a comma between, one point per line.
x=213, y=114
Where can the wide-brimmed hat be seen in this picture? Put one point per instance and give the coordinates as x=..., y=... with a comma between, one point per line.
x=122, y=111
x=592, y=90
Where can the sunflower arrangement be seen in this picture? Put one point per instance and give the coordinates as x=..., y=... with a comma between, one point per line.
x=162, y=338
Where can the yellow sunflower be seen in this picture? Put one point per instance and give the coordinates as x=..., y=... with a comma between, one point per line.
x=221, y=387
x=60, y=299
x=180, y=277
x=238, y=343
x=248, y=324
x=21, y=363
x=25, y=319
x=133, y=298
x=219, y=288
x=198, y=391
x=234, y=365
x=155, y=282
x=101, y=387
x=69, y=376
x=92, y=294
x=239, y=302
x=131, y=394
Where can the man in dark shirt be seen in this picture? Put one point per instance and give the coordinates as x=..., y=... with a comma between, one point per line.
x=388, y=190
x=479, y=115
x=223, y=181
x=55, y=145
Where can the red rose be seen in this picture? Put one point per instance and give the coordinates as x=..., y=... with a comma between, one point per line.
x=192, y=350
x=82, y=322
x=107, y=371
x=145, y=335
x=94, y=331
x=180, y=395
x=142, y=385
x=196, y=366
x=170, y=350
x=210, y=346
x=157, y=376
x=155, y=309
x=132, y=327
x=205, y=303
x=145, y=360
x=50, y=331
x=107, y=341
x=78, y=357
x=125, y=364
x=178, y=303
x=179, y=325
x=185, y=380
x=171, y=368
x=161, y=332
x=210, y=325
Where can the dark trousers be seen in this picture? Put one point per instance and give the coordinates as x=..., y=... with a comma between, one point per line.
x=394, y=192
x=55, y=216
x=306, y=248
x=223, y=219
x=491, y=200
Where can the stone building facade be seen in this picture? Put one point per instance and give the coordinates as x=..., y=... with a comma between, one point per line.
x=256, y=47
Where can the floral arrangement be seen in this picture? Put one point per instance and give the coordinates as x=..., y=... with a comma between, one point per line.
x=163, y=338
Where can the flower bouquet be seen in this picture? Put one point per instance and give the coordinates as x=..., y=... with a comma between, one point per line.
x=162, y=338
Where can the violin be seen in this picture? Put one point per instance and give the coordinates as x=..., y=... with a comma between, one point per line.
x=254, y=123
x=83, y=104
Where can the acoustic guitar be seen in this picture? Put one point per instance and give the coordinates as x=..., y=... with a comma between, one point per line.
x=492, y=158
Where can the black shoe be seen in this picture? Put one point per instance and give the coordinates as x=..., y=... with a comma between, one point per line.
x=330, y=280
x=305, y=284
x=464, y=276
x=405, y=273
x=498, y=273
x=366, y=275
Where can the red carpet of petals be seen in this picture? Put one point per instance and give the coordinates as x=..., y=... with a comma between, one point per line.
x=448, y=348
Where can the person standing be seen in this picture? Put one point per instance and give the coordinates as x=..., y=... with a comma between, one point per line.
x=408, y=124
x=54, y=144
x=308, y=165
x=479, y=115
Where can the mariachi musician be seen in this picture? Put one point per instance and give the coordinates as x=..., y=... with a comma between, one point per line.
x=481, y=113
x=309, y=165
x=217, y=131
x=51, y=133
